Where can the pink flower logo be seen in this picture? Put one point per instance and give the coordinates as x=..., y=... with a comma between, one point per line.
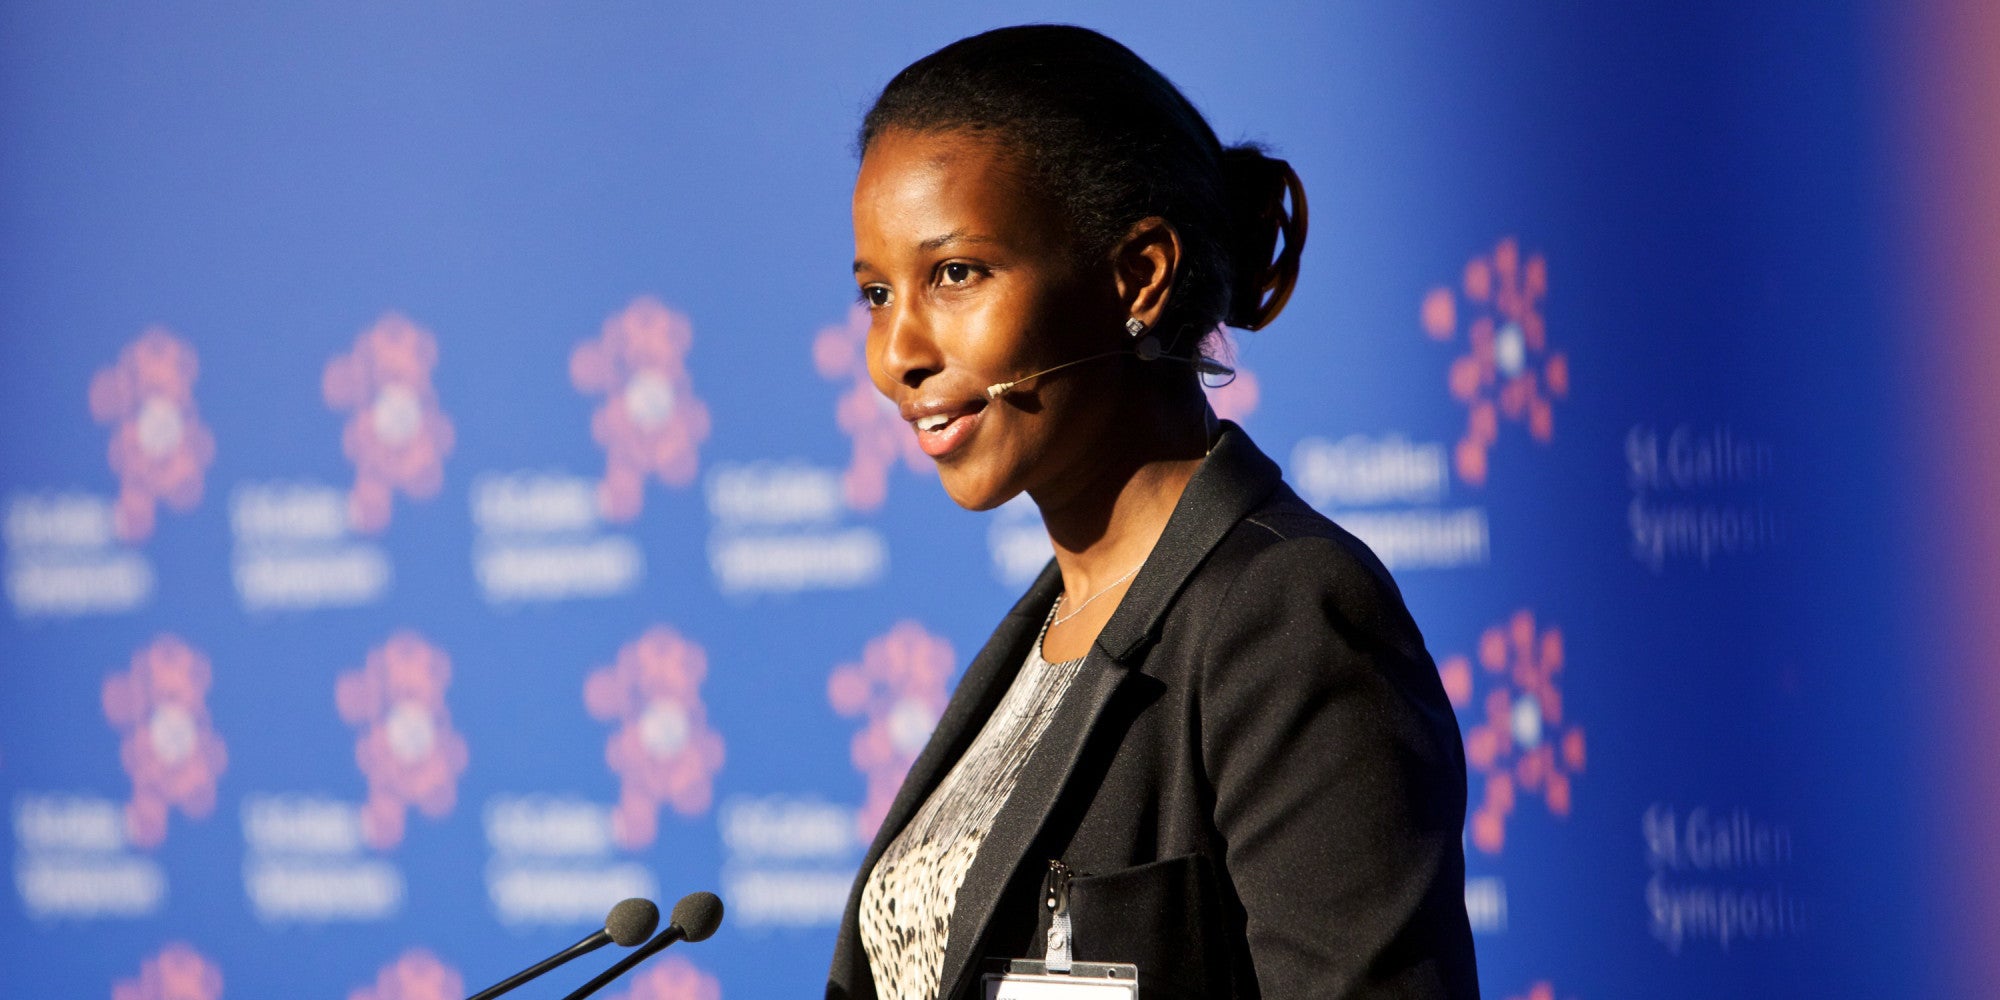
x=1508, y=371
x=664, y=753
x=867, y=417
x=676, y=978
x=899, y=687
x=1543, y=990
x=408, y=749
x=168, y=747
x=396, y=436
x=651, y=423
x=1522, y=742
x=417, y=975
x=178, y=972
x=160, y=449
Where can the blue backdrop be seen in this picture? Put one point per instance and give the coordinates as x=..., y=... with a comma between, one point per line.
x=442, y=497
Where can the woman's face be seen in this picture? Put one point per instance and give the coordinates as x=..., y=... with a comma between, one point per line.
x=970, y=279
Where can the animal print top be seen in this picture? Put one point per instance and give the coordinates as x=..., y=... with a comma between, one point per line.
x=906, y=903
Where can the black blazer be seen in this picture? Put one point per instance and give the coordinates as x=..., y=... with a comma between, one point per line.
x=1256, y=770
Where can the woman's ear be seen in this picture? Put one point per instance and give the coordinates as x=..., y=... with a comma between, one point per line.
x=1146, y=262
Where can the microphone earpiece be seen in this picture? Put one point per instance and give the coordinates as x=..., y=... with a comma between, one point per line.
x=1210, y=366
x=1148, y=348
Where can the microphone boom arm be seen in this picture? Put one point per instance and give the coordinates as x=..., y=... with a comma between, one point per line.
x=1202, y=366
x=999, y=389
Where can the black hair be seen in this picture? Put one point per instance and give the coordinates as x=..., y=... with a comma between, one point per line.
x=1113, y=142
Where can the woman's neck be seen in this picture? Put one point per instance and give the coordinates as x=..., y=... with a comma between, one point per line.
x=1101, y=538
x=1107, y=525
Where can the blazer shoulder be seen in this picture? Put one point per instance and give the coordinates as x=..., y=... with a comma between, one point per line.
x=1284, y=529
x=1284, y=556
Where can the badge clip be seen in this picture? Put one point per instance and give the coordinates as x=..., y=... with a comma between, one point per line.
x=1058, y=975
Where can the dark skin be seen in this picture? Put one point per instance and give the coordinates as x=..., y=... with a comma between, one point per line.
x=972, y=277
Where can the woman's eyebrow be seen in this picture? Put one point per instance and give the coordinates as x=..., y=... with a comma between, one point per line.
x=936, y=243
x=955, y=236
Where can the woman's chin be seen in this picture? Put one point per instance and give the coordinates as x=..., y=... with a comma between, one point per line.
x=973, y=491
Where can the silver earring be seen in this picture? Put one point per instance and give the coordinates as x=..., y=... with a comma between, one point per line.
x=1134, y=327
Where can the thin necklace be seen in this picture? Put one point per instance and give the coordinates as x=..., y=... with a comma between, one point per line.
x=1056, y=619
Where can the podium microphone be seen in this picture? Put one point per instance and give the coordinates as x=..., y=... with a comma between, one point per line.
x=628, y=924
x=695, y=917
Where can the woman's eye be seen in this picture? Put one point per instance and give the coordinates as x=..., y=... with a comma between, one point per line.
x=875, y=296
x=957, y=274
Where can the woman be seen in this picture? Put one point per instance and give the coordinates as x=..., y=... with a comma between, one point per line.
x=1208, y=741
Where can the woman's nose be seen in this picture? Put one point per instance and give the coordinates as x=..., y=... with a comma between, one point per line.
x=907, y=353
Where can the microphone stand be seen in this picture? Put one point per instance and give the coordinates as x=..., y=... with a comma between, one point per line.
x=577, y=950
x=645, y=951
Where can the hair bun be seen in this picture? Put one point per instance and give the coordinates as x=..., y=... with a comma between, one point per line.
x=1255, y=187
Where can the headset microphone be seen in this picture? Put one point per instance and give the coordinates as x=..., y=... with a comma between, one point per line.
x=1147, y=349
x=999, y=389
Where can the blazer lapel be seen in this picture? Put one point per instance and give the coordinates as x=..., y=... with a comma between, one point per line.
x=1229, y=484
x=1006, y=846
x=985, y=681
x=978, y=692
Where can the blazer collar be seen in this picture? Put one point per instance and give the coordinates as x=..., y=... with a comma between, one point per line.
x=1229, y=483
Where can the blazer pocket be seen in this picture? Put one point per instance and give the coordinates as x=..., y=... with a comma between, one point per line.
x=1159, y=916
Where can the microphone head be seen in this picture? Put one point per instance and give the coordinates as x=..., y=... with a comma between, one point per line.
x=632, y=921
x=698, y=914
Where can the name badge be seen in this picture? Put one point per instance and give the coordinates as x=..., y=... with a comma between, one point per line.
x=1028, y=979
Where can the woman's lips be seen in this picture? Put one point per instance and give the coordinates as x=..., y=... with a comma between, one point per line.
x=941, y=433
